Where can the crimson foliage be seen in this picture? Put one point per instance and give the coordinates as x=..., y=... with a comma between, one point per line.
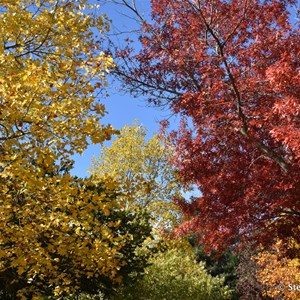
x=231, y=69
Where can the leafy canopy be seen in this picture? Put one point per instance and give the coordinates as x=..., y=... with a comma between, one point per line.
x=175, y=274
x=231, y=70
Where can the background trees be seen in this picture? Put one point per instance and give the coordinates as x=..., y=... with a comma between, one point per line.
x=175, y=274
x=143, y=172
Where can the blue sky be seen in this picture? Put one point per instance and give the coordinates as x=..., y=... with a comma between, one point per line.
x=122, y=108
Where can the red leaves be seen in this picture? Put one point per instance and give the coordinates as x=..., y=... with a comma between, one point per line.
x=231, y=68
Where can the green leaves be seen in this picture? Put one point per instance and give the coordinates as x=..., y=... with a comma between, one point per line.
x=174, y=274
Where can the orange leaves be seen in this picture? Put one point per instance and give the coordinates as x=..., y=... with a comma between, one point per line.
x=280, y=274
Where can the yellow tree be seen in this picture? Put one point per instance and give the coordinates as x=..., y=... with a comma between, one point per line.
x=280, y=270
x=51, y=68
x=141, y=168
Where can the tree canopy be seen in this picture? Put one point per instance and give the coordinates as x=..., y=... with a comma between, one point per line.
x=231, y=70
x=143, y=171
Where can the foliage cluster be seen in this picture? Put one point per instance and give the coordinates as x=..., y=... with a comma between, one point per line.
x=142, y=170
x=175, y=274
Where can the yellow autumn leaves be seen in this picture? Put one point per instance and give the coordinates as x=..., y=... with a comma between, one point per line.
x=51, y=66
x=280, y=274
x=143, y=173
x=52, y=228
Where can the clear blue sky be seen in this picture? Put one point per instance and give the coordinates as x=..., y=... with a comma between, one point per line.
x=122, y=108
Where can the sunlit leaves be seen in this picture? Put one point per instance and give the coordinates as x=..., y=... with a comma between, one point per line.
x=231, y=70
x=279, y=273
x=143, y=172
x=51, y=65
x=51, y=69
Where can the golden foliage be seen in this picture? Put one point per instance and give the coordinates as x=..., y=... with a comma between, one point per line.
x=51, y=67
x=142, y=170
x=279, y=273
x=51, y=238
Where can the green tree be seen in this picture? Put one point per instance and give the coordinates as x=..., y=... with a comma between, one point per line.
x=224, y=265
x=175, y=274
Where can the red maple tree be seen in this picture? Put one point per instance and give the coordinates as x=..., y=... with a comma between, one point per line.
x=231, y=69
